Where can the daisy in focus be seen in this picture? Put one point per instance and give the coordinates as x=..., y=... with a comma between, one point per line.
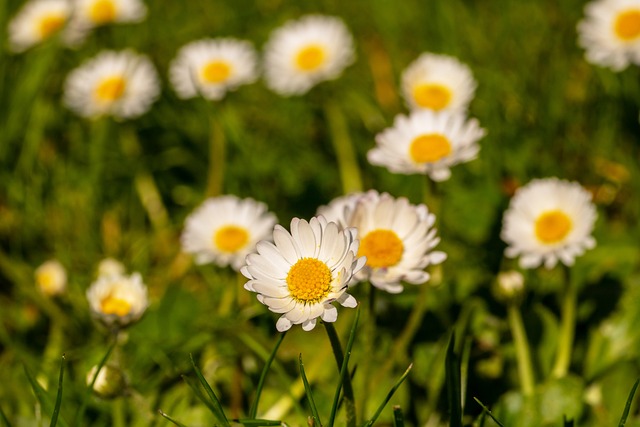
x=305, y=52
x=438, y=82
x=212, y=67
x=303, y=272
x=610, y=33
x=427, y=142
x=549, y=220
x=120, y=84
x=118, y=301
x=51, y=278
x=397, y=239
x=225, y=229
x=37, y=21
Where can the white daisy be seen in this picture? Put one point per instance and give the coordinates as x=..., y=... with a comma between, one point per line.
x=118, y=301
x=427, y=142
x=610, y=33
x=121, y=84
x=549, y=220
x=225, y=229
x=212, y=67
x=37, y=21
x=438, y=82
x=397, y=239
x=51, y=278
x=303, y=273
x=340, y=209
x=94, y=13
x=305, y=52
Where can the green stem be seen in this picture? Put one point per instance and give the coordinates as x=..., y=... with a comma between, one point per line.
x=263, y=376
x=217, y=144
x=349, y=399
x=343, y=146
x=567, y=328
x=118, y=413
x=369, y=346
x=523, y=353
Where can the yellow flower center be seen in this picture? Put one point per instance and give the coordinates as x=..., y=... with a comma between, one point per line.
x=309, y=280
x=429, y=148
x=216, y=72
x=627, y=25
x=102, y=12
x=47, y=282
x=115, y=305
x=231, y=238
x=383, y=248
x=311, y=57
x=432, y=96
x=111, y=89
x=49, y=24
x=553, y=226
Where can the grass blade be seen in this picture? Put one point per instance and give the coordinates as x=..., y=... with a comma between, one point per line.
x=398, y=417
x=4, y=419
x=454, y=391
x=256, y=422
x=627, y=406
x=195, y=386
x=307, y=389
x=388, y=397
x=56, y=409
x=254, y=406
x=178, y=423
x=41, y=395
x=488, y=412
x=219, y=412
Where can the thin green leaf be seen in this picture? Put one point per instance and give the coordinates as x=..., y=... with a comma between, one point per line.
x=398, y=417
x=256, y=422
x=488, y=412
x=454, y=391
x=41, y=394
x=179, y=424
x=56, y=409
x=195, y=386
x=627, y=406
x=307, y=389
x=388, y=397
x=254, y=406
x=219, y=412
x=4, y=419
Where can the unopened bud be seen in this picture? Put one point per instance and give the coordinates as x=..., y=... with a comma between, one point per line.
x=109, y=383
x=509, y=286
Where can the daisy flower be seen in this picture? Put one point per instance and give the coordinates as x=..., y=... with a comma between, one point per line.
x=37, y=21
x=212, y=67
x=51, y=278
x=304, y=272
x=549, y=220
x=341, y=209
x=610, y=33
x=305, y=52
x=438, y=82
x=118, y=300
x=94, y=13
x=427, y=142
x=225, y=229
x=397, y=239
x=121, y=84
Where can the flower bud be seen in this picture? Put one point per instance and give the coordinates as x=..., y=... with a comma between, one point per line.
x=509, y=286
x=109, y=383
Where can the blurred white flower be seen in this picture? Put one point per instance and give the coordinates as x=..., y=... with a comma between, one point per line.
x=212, y=67
x=305, y=271
x=37, y=21
x=88, y=14
x=427, y=142
x=396, y=237
x=549, y=220
x=341, y=209
x=121, y=84
x=305, y=52
x=51, y=278
x=610, y=33
x=118, y=301
x=225, y=229
x=438, y=82
x=110, y=267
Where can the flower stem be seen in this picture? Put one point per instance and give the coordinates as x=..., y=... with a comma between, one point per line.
x=523, y=353
x=349, y=399
x=567, y=328
x=217, y=142
x=370, y=333
x=345, y=153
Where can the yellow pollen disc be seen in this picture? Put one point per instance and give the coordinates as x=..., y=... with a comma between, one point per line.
x=627, y=25
x=230, y=238
x=216, y=72
x=310, y=58
x=429, y=148
x=383, y=248
x=432, y=96
x=309, y=280
x=50, y=24
x=102, y=12
x=111, y=89
x=114, y=305
x=46, y=282
x=553, y=226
